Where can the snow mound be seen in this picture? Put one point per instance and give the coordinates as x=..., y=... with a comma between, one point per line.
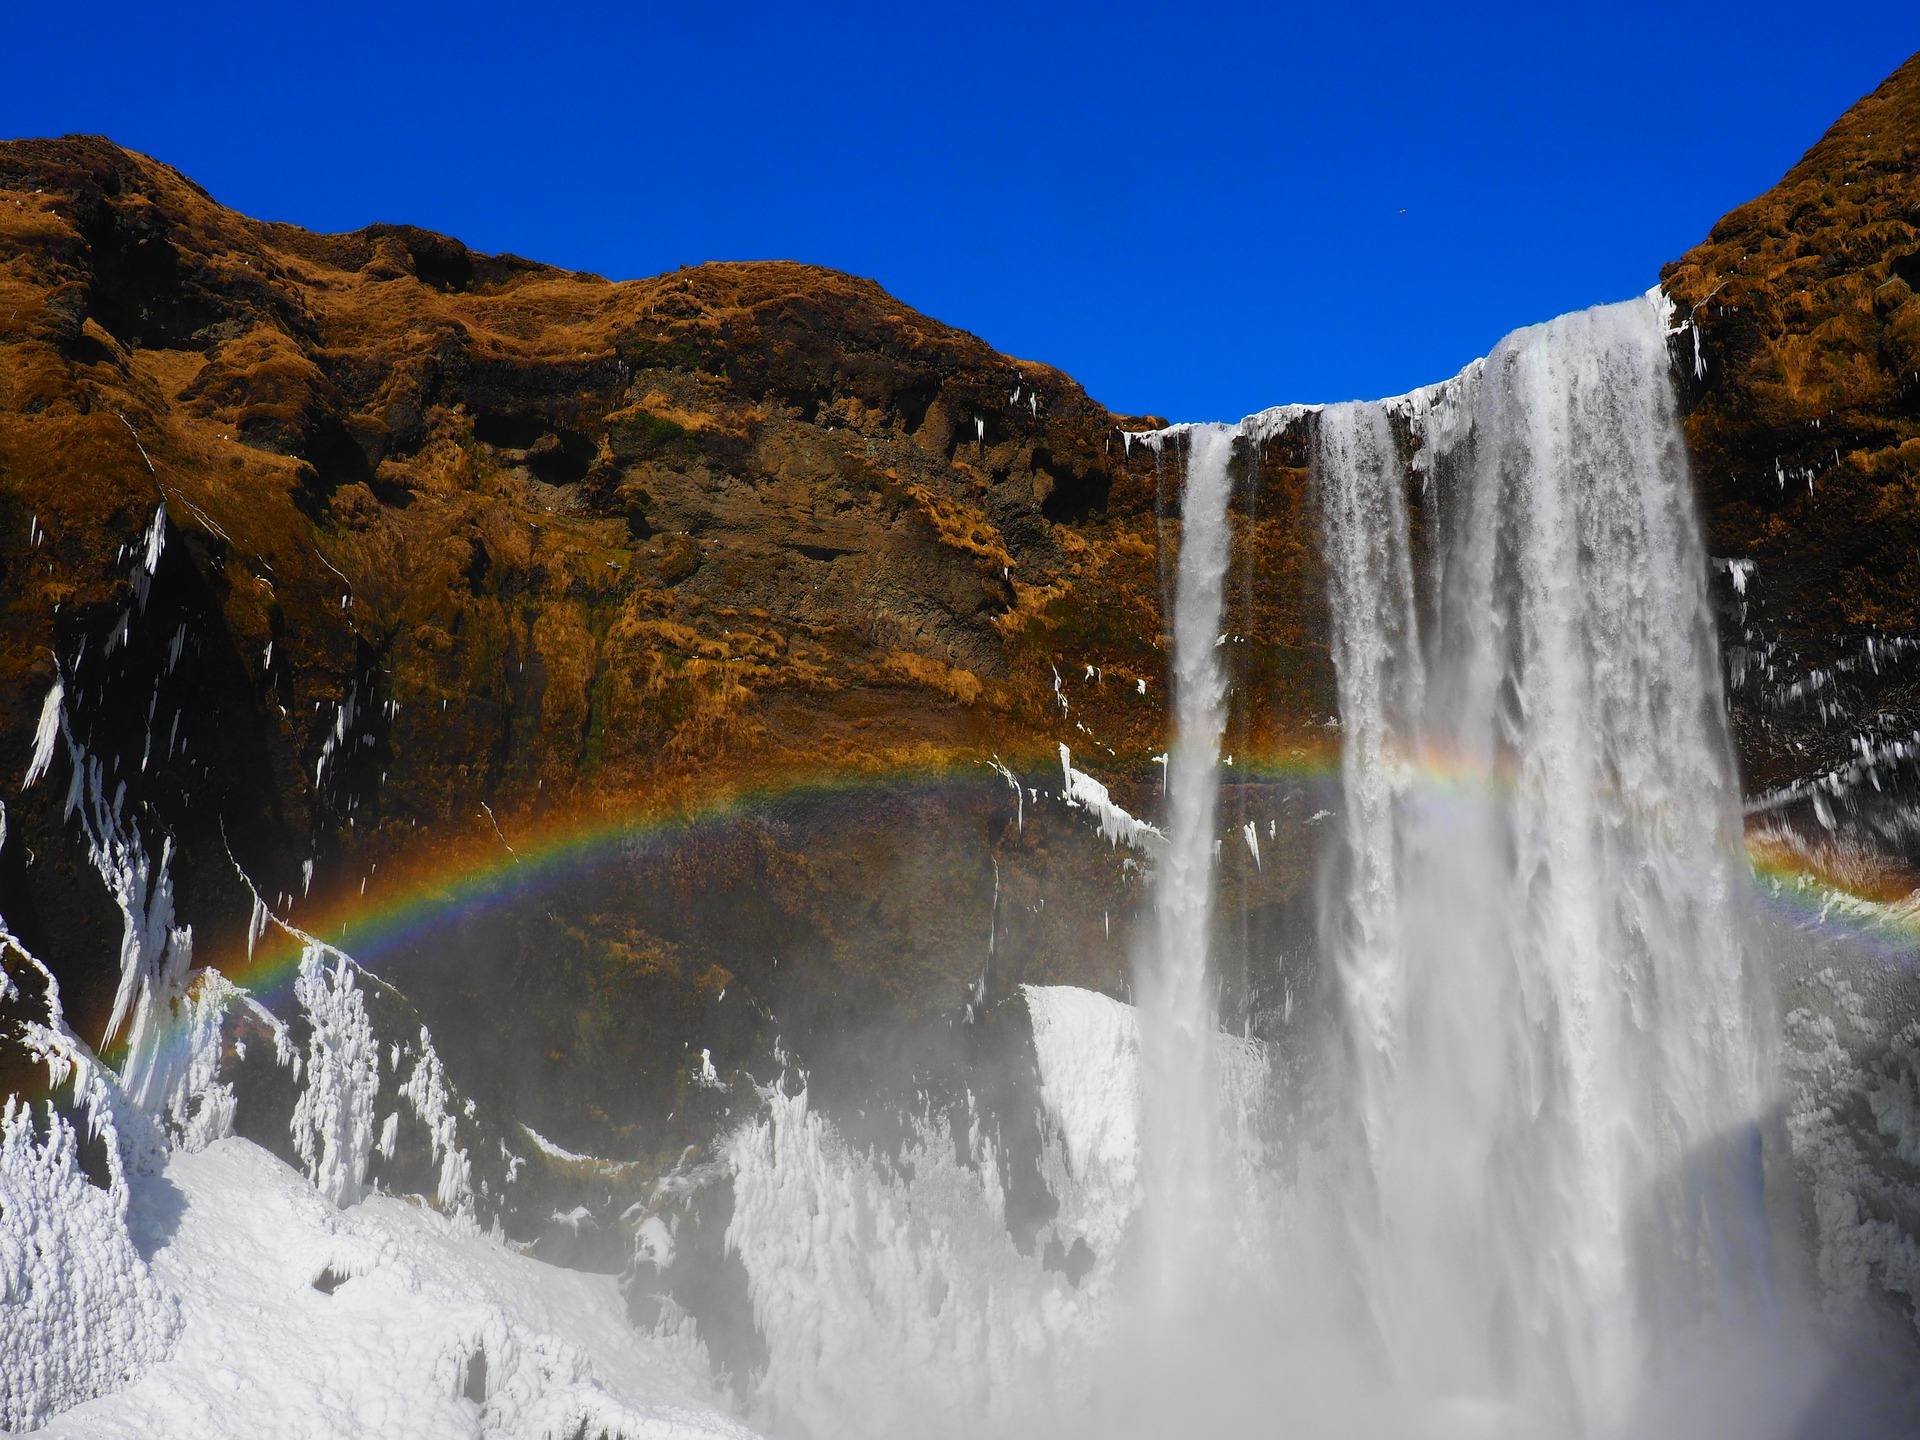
x=1087, y=1051
x=384, y=1319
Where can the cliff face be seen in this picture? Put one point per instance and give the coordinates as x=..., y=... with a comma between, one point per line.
x=1803, y=365
x=590, y=536
x=651, y=647
x=366, y=562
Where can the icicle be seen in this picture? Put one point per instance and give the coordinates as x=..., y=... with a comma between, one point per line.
x=52, y=724
x=152, y=545
x=1019, y=806
x=1117, y=827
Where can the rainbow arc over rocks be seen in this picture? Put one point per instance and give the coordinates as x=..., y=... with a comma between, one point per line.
x=499, y=865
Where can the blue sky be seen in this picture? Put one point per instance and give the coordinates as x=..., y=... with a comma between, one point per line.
x=1197, y=210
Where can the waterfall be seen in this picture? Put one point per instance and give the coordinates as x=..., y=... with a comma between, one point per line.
x=1552, y=1038
x=1180, y=1102
x=1503, y=1175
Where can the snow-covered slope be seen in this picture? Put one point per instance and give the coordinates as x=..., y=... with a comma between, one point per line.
x=159, y=1278
x=382, y=1319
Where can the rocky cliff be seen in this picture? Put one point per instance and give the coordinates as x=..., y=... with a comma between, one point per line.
x=369, y=565
x=1801, y=365
x=631, y=670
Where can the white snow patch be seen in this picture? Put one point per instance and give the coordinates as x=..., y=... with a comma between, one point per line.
x=552, y=1151
x=1088, y=1051
x=416, y=1311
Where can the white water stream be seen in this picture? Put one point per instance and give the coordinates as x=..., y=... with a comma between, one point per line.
x=1179, y=1092
x=1557, y=1056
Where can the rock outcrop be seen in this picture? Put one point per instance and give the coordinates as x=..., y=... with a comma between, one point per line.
x=1803, y=364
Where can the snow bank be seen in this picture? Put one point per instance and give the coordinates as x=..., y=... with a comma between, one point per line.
x=382, y=1320
x=215, y=1292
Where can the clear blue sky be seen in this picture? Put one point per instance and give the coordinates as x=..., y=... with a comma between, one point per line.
x=1196, y=209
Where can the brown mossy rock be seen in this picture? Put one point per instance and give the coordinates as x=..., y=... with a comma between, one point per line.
x=465, y=552
x=643, y=533
x=1804, y=410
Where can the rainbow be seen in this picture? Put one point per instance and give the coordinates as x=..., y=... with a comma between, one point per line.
x=501, y=861
x=487, y=868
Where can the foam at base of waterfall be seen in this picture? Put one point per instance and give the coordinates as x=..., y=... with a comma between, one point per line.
x=889, y=1291
x=381, y=1320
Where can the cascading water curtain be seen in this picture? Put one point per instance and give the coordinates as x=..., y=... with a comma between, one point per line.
x=1554, y=1040
x=1518, y=1192
x=1181, y=1115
